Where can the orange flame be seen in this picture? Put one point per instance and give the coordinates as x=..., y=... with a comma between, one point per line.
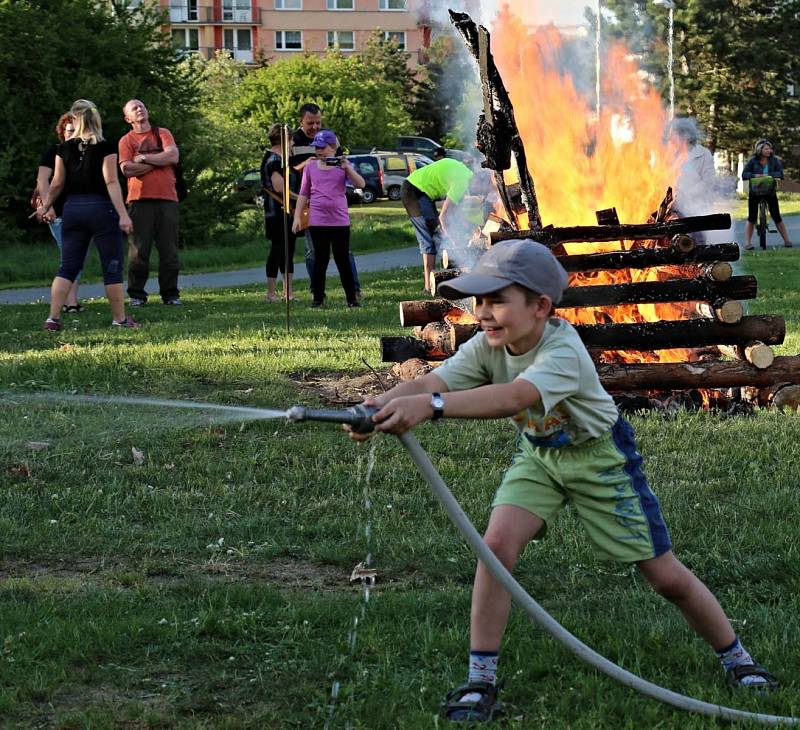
x=581, y=163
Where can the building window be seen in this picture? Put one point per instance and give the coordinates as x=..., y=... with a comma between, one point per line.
x=341, y=40
x=186, y=39
x=393, y=5
x=239, y=43
x=288, y=4
x=288, y=40
x=183, y=11
x=237, y=11
x=396, y=36
x=341, y=5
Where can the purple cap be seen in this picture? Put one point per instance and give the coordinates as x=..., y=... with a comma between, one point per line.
x=325, y=137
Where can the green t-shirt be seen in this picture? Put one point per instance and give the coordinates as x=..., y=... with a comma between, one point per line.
x=446, y=178
x=574, y=406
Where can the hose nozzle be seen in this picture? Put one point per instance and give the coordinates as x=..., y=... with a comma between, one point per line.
x=359, y=417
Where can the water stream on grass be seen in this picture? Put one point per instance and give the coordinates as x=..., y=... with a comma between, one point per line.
x=362, y=572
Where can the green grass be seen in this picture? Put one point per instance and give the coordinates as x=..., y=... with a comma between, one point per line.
x=207, y=586
x=377, y=227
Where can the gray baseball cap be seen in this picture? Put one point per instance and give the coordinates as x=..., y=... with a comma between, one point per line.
x=527, y=263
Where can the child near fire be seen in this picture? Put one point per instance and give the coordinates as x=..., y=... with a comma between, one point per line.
x=572, y=446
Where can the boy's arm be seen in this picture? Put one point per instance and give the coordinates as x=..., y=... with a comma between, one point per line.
x=408, y=404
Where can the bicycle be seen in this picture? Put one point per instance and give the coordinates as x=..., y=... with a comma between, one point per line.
x=763, y=186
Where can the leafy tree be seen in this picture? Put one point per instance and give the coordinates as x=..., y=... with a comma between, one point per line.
x=55, y=51
x=734, y=62
x=363, y=107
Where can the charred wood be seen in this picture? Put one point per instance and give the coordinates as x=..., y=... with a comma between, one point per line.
x=718, y=271
x=551, y=236
x=670, y=290
x=643, y=258
x=677, y=376
x=682, y=333
x=398, y=349
x=420, y=312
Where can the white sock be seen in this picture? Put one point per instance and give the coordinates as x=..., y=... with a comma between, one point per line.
x=734, y=655
x=482, y=668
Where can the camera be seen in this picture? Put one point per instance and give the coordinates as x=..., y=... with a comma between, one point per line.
x=333, y=161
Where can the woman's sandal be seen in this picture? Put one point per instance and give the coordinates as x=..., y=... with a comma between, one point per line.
x=72, y=308
x=484, y=709
x=735, y=675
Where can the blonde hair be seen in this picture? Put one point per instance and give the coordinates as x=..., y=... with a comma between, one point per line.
x=86, y=118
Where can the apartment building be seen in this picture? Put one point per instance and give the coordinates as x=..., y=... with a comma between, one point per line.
x=275, y=29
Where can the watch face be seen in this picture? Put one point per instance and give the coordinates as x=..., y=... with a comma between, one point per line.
x=437, y=402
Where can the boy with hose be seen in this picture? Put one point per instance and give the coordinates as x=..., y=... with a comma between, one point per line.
x=572, y=446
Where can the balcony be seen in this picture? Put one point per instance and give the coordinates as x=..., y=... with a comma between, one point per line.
x=237, y=12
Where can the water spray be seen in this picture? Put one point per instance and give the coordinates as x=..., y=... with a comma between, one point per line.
x=359, y=418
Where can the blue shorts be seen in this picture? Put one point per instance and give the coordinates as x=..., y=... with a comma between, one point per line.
x=424, y=217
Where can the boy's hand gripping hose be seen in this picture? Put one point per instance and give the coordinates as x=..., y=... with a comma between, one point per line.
x=360, y=420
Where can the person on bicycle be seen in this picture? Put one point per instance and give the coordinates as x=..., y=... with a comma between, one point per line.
x=763, y=164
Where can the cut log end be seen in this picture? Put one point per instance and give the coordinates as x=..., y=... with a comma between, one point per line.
x=729, y=311
x=684, y=243
x=718, y=271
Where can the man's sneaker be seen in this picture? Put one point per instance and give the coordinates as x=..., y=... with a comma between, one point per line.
x=127, y=322
x=174, y=302
x=53, y=324
x=135, y=302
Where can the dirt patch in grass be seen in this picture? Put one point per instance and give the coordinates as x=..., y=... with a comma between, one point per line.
x=282, y=574
x=340, y=389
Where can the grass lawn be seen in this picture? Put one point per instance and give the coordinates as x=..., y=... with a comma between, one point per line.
x=377, y=227
x=161, y=570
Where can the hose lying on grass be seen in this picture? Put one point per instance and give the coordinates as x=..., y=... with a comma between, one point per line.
x=547, y=623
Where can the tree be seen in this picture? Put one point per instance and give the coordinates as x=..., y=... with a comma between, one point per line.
x=734, y=62
x=361, y=106
x=55, y=51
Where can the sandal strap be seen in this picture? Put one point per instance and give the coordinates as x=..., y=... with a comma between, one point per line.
x=737, y=673
x=481, y=710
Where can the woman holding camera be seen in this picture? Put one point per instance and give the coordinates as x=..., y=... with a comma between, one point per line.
x=323, y=185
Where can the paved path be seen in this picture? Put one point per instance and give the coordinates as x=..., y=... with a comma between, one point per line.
x=381, y=261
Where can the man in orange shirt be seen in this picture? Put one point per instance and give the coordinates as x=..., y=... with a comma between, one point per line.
x=147, y=158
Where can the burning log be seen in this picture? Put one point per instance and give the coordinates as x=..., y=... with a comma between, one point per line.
x=671, y=290
x=498, y=136
x=679, y=376
x=438, y=336
x=423, y=311
x=757, y=354
x=398, y=349
x=552, y=236
x=684, y=243
x=686, y=333
x=643, y=258
x=437, y=277
x=719, y=271
x=728, y=311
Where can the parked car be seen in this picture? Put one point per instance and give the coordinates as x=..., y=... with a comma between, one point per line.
x=248, y=185
x=369, y=167
x=397, y=166
x=421, y=145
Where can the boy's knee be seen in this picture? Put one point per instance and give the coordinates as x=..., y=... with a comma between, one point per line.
x=507, y=551
x=672, y=583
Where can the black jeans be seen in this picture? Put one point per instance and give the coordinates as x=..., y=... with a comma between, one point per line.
x=154, y=221
x=325, y=239
x=274, y=227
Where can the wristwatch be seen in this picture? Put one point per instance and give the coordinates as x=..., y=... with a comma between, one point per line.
x=437, y=403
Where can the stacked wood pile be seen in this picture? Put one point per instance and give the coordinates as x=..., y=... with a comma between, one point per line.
x=700, y=277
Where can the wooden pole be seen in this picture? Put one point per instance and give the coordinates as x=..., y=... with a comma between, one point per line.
x=285, y=145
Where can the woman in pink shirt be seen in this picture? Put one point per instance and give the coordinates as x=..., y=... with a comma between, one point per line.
x=323, y=190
